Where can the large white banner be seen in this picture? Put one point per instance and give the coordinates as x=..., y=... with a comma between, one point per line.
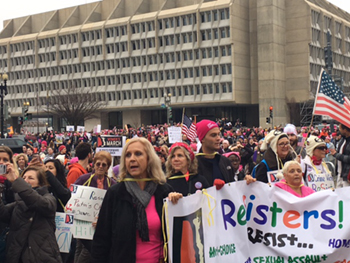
x=259, y=223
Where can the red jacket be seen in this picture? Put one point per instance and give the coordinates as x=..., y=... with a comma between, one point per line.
x=75, y=171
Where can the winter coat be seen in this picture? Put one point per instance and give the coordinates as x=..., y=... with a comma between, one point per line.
x=31, y=238
x=270, y=158
x=344, y=157
x=205, y=168
x=115, y=235
x=194, y=183
x=75, y=171
x=59, y=191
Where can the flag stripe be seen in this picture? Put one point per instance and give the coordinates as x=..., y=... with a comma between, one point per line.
x=325, y=102
x=330, y=100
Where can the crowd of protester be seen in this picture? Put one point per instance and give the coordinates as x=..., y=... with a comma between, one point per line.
x=148, y=170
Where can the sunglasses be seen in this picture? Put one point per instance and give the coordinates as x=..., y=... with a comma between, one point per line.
x=98, y=164
x=322, y=148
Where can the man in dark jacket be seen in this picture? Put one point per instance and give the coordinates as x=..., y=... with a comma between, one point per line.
x=342, y=154
x=217, y=169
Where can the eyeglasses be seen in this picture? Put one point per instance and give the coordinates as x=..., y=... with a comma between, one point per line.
x=322, y=148
x=284, y=144
x=98, y=164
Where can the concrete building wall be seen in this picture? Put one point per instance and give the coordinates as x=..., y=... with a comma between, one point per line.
x=221, y=53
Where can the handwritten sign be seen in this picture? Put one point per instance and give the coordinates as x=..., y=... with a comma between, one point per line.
x=319, y=182
x=83, y=229
x=64, y=223
x=85, y=202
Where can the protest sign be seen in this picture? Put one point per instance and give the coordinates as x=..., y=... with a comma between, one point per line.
x=63, y=234
x=112, y=144
x=83, y=229
x=80, y=129
x=259, y=223
x=70, y=128
x=85, y=202
x=174, y=134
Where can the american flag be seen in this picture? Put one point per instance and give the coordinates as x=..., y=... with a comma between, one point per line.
x=330, y=100
x=189, y=128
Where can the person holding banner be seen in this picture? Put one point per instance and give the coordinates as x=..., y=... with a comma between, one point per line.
x=99, y=179
x=129, y=224
x=182, y=167
x=32, y=218
x=278, y=153
x=293, y=180
x=315, y=170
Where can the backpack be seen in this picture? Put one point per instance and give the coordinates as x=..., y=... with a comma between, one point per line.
x=254, y=169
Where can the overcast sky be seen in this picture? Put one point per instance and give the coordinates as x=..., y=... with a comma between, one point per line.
x=19, y=8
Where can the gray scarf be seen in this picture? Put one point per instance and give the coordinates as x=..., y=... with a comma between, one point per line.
x=141, y=198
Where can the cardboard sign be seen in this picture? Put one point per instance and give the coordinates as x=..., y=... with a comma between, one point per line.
x=174, y=134
x=64, y=223
x=85, y=202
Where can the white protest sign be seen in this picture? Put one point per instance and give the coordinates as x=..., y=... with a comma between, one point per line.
x=319, y=182
x=85, y=202
x=63, y=233
x=70, y=128
x=259, y=223
x=272, y=176
x=174, y=134
x=83, y=229
x=80, y=128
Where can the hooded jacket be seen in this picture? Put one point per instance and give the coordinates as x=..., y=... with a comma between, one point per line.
x=32, y=225
x=75, y=171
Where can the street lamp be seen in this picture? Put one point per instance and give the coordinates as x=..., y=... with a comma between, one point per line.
x=26, y=105
x=167, y=100
x=3, y=93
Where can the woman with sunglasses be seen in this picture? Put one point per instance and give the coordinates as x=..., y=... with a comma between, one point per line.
x=99, y=179
x=313, y=165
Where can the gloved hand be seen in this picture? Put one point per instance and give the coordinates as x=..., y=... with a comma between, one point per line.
x=219, y=183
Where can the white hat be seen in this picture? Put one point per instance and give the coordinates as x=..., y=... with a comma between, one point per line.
x=313, y=142
x=271, y=140
x=290, y=128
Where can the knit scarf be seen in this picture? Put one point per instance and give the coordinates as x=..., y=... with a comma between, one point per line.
x=316, y=161
x=141, y=198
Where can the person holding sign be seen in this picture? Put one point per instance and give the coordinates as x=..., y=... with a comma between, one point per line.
x=316, y=173
x=129, y=224
x=182, y=167
x=99, y=179
x=32, y=218
x=278, y=153
x=293, y=180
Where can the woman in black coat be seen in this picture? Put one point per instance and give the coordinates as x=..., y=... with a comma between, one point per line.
x=129, y=224
x=31, y=217
x=182, y=170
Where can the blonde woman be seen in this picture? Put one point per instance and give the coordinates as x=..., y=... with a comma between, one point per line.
x=129, y=224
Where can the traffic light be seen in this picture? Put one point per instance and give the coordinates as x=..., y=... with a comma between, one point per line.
x=271, y=111
x=267, y=119
x=170, y=113
x=26, y=114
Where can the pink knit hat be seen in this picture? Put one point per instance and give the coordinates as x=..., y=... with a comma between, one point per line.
x=203, y=127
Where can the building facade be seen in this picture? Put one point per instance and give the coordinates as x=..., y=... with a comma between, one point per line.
x=224, y=58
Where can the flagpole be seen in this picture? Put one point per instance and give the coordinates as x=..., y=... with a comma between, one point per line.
x=313, y=110
x=182, y=121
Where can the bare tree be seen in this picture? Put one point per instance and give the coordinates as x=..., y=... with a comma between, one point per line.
x=74, y=104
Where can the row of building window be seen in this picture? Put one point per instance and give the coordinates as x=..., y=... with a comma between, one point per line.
x=204, y=89
x=179, y=21
x=157, y=59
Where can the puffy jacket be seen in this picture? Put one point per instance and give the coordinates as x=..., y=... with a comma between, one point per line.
x=31, y=238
